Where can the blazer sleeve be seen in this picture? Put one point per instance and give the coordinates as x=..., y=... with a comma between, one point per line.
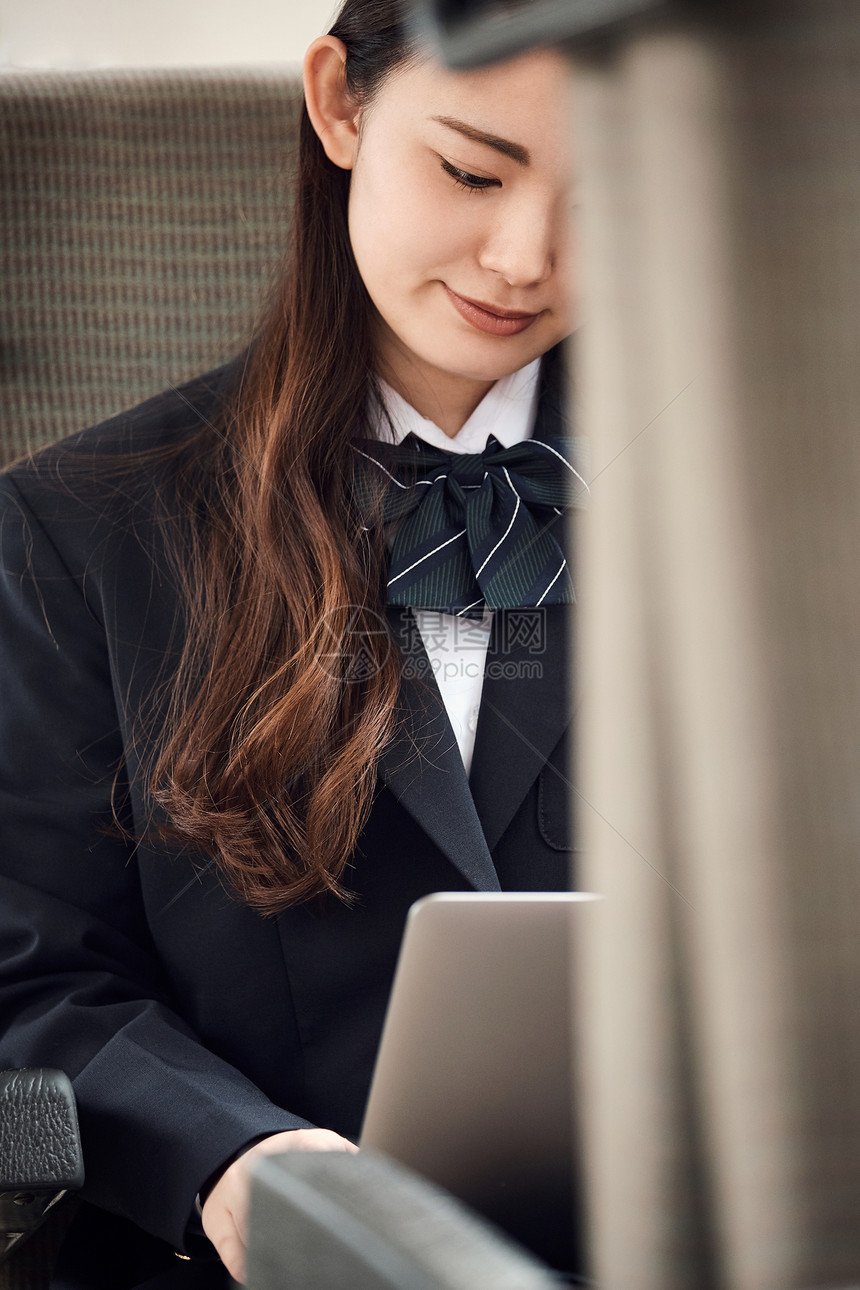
x=81, y=987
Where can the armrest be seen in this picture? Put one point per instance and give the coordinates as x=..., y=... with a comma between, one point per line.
x=40, y=1150
x=327, y=1218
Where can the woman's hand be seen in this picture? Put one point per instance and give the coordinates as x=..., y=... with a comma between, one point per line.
x=225, y=1211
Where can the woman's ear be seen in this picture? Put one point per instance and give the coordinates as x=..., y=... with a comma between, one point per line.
x=333, y=112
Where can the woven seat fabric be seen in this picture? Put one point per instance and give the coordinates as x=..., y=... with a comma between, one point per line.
x=143, y=218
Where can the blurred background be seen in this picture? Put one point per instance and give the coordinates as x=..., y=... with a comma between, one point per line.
x=157, y=33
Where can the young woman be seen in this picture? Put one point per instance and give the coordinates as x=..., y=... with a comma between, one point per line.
x=226, y=767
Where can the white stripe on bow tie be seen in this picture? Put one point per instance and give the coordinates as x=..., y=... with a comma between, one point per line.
x=552, y=584
x=447, y=541
x=510, y=526
x=540, y=443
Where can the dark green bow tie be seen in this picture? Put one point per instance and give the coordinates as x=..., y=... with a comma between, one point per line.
x=474, y=529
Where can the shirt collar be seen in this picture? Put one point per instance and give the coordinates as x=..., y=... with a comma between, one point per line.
x=507, y=411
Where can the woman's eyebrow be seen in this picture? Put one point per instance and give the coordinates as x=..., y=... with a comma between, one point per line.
x=515, y=151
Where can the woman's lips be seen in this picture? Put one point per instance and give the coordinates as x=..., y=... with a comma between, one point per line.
x=497, y=322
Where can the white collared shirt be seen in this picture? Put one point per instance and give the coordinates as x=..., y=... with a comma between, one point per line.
x=457, y=647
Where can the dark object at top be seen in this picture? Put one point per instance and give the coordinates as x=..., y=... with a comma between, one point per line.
x=469, y=33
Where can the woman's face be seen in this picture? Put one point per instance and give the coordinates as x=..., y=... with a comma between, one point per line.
x=458, y=215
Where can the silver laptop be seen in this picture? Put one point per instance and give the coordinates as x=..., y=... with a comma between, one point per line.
x=472, y=1086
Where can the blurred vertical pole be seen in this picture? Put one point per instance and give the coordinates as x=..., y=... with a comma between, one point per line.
x=719, y=380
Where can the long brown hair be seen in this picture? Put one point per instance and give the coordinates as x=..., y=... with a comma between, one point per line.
x=269, y=752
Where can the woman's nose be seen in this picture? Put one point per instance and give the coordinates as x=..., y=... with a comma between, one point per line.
x=523, y=245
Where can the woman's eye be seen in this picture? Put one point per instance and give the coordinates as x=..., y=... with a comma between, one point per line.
x=472, y=183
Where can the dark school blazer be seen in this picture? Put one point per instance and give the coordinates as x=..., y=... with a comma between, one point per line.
x=190, y=1025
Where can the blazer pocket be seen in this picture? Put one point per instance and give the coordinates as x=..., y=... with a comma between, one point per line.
x=555, y=809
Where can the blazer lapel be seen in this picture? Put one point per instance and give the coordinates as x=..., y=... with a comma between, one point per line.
x=423, y=768
x=526, y=707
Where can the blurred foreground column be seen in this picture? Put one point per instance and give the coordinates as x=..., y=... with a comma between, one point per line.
x=719, y=381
